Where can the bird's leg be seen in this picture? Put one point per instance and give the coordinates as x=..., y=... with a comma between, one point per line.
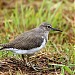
x=27, y=60
x=23, y=58
x=30, y=64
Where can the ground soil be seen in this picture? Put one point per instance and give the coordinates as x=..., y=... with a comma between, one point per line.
x=13, y=66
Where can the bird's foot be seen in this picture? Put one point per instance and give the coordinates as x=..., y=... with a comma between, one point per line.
x=34, y=67
x=28, y=64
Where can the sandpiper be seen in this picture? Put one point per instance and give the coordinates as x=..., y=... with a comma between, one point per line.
x=30, y=41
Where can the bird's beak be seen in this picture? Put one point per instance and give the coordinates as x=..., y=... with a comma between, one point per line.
x=56, y=29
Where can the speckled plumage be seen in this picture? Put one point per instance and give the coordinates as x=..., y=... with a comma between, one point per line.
x=30, y=40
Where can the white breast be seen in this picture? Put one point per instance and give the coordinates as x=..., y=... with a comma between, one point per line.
x=31, y=51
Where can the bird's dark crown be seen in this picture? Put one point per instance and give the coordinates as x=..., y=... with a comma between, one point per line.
x=47, y=27
x=45, y=24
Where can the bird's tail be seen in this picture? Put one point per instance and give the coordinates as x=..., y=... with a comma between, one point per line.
x=3, y=46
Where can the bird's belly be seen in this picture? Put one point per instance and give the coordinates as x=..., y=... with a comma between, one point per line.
x=31, y=51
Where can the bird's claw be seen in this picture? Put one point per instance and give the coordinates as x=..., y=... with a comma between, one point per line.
x=33, y=66
x=36, y=68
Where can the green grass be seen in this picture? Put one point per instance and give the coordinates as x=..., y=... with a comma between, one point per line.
x=58, y=14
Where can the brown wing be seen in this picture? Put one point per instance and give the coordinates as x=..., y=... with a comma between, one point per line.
x=25, y=43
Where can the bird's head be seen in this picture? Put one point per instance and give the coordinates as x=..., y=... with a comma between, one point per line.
x=47, y=27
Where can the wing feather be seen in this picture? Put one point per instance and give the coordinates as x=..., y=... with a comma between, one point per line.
x=25, y=43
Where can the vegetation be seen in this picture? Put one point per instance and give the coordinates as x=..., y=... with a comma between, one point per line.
x=22, y=16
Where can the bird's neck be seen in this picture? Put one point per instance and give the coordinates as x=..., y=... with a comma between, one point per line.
x=42, y=33
x=46, y=35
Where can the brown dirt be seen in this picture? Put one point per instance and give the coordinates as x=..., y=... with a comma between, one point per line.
x=13, y=66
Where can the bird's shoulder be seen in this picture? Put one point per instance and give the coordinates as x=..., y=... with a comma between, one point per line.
x=27, y=41
x=27, y=36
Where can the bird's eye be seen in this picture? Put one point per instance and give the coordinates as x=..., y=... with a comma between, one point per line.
x=48, y=26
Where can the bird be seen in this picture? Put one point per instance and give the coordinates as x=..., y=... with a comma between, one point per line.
x=30, y=41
